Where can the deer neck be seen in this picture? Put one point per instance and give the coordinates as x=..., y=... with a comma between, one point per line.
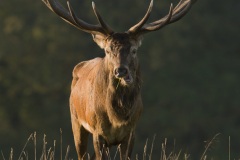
x=120, y=100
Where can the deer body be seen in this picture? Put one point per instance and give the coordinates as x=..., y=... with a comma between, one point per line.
x=94, y=109
x=105, y=96
x=93, y=103
x=103, y=105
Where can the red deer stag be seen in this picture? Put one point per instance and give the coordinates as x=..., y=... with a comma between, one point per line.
x=105, y=93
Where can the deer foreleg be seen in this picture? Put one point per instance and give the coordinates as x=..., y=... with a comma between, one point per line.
x=100, y=148
x=126, y=147
x=80, y=138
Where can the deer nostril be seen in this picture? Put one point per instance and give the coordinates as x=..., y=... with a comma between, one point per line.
x=121, y=72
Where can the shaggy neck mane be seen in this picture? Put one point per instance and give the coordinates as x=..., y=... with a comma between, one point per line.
x=120, y=100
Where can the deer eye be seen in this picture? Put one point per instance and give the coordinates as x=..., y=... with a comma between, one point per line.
x=134, y=51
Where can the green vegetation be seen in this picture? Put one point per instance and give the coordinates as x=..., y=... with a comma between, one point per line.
x=190, y=72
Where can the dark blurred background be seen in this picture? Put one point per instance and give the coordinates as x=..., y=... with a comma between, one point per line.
x=191, y=74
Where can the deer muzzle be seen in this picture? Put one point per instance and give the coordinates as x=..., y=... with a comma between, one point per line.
x=123, y=73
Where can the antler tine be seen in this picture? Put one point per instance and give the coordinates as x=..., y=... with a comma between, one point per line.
x=84, y=26
x=105, y=27
x=138, y=26
x=174, y=15
x=57, y=8
x=70, y=17
x=181, y=9
x=157, y=25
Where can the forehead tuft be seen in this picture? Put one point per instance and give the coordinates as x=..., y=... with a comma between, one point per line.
x=119, y=39
x=120, y=36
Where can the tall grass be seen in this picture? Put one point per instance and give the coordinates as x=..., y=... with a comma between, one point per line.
x=49, y=153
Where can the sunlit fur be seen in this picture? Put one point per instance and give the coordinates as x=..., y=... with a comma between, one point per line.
x=100, y=105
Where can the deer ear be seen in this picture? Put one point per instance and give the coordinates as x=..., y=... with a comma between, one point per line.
x=138, y=40
x=100, y=40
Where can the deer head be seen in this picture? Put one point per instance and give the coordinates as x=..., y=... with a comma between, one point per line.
x=120, y=48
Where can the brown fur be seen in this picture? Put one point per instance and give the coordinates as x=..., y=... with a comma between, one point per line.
x=101, y=106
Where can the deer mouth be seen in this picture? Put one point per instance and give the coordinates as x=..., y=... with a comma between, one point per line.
x=128, y=79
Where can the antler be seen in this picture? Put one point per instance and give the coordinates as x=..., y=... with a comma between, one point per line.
x=70, y=17
x=174, y=15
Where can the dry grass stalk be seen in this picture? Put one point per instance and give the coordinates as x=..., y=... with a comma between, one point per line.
x=49, y=154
